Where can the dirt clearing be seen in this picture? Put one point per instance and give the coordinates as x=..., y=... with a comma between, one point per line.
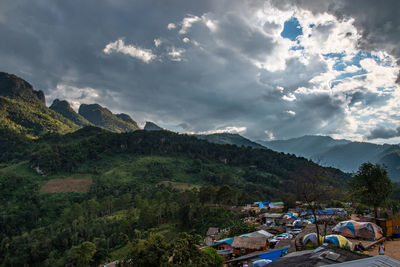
x=392, y=249
x=66, y=185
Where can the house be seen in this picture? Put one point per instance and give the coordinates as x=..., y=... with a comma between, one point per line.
x=211, y=235
x=325, y=212
x=390, y=227
x=270, y=218
x=276, y=205
x=258, y=255
x=224, y=247
x=259, y=233
x=111, y=264
x=317, y=257
x=246, y=245
x=377, y=261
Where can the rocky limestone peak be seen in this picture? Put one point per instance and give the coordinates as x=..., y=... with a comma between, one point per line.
x=14, y=87
x=151, y=126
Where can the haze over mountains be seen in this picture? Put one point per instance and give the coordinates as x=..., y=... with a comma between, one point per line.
x=342, y=154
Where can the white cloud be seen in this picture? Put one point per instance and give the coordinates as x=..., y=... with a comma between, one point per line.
x=77, y=95
x=175, y=54
x=171, y=26
x=269, y=134
x=351, y=68
x=187, y=23
x=289, y=97
x=146, y=55
x=212, y=25
x=291, y=112
x=186, y=40
x=229, y=129
x=157, y=42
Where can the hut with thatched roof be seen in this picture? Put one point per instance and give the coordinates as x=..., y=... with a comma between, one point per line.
x=246, y=245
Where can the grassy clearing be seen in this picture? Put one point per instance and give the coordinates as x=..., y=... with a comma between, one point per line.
x=67, y=185
x=179, y=186
x=20, y=169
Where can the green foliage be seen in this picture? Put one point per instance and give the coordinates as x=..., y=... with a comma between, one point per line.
x=152, y=252
x=213, y=258
x=63, y=108
x=371, y=185
x=104, y=118
x=130, y=200
x=240, y=228
x=84, y=253
x=32, y=119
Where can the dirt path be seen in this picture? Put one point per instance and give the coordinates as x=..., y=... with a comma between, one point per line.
x=392, y=249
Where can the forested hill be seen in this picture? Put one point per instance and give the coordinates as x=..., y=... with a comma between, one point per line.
x=67, y=153
x=343, y=154
x=23, y=110
x=228, y=138
x=103, y=117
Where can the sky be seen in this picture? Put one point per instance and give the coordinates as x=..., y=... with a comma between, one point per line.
x=264, y=69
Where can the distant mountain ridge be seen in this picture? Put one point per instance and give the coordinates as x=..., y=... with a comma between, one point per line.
x=229, y=138
x=103, y=117
x=23, y=110
x=343, y=154
x=63, y=107
x=14, y=87
x=151, y=126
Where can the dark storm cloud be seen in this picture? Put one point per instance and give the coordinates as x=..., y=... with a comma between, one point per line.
x=58, y=47
x=383, y=133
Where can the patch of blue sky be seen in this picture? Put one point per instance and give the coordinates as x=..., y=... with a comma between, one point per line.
x=292, y=29
x=347, y=75
x=341, y=64
x=350, y=74
x=386, y=89
x=297, y=47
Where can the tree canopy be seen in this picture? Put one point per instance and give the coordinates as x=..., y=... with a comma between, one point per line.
x=371, y=185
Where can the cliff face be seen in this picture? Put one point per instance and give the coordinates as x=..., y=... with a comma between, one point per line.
x=63, y=107
x=103, y=117
x=16, y=88
x=150, y=126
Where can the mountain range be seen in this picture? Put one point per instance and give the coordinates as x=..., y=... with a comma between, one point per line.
x=23, y=111
x=342, y=154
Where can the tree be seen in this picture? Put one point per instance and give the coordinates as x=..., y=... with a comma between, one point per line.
x=240, y=227
x=212, y=257
x=314, y=189
x=153, y=251
x=186, y=251
x=371, y=186
x=84, y=253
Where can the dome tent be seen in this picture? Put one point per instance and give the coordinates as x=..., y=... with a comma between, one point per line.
x=353, y=229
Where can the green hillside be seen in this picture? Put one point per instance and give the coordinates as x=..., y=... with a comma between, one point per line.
x=228, y=138
x=63, y=108
x=143, y=184
x=343, y=154
x=32, y=119
x=12, y=86
x=104, y=118
x=125, y=195
x=23, y=110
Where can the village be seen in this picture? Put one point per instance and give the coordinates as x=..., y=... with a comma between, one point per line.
x=306, y=236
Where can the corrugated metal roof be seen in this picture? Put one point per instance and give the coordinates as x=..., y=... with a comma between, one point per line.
x=377, y=261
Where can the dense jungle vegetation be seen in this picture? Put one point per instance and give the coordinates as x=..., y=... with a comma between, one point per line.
x=129, y=210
